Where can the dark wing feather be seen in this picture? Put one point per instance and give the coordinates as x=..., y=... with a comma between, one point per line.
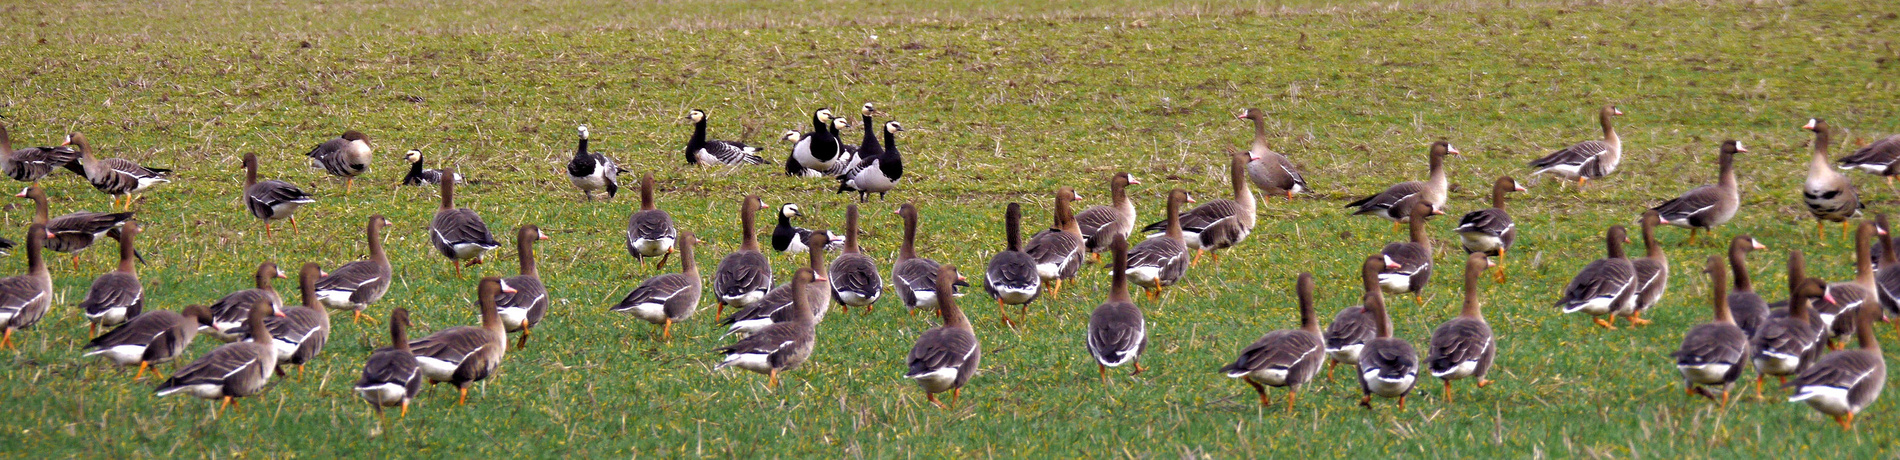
x=1351, y=326
x=742, y=272
x=1841, y=369
x=1488, y=221
x=1053, y=247
x=1387, y=199
x=1283, y=348
x=652, y=224
x=1156, y=252
x=1116, y=329
x=140, y=330
x=529, y=294
x=460, y=226
x=389, y=365
x=855, y=273
x=360, y=278
x=1393, y=357
x=1602, y=277
x=1411, y=257
x=1011, y=269
x=113, y=290
x=1457, y=341
x=453, y=345
x=1712, y=343
x=1575, y=154
x=1881, y=152
x=1691, y=202
x=941, y=348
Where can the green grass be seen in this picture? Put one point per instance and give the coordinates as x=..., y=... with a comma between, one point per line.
x=1005, y=101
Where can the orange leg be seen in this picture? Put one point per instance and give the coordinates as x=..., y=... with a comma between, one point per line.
x=93, y=331
x=666, y=330
x=6, y=339
x=1610, y=324
x=1500, y=276
x=1401, y=402
x=1055, y=289
x=721, y=311
x=1636, y=319
x=1005, y=313
x=1138, y=368
x=523, y=343
x=348, y=184
x=1330, y=365
x=75, y=262
x=663, y=258
x=141, y=373
x=293, y=223
x=1396, y=225
x=1483, y=383
x=955, y=394
x=1366, y=401
x=1292, y=393
x=772, y=380
x=1847, y=421
x=463, y=401
x=1103, y=370
x=932, y=397
x=1258, y=388
x=1448, y=397
x=405, y=409
x=227, y=404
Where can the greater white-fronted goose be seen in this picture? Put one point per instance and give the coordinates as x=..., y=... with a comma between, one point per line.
x=392, y=376
x=1217, y=224
x=233, y=370
x=1157, y=263
x=1713, y=354
x=1844, y=382
x=946, y=357
x=271, y=200
x=777, y=305
x=1886, y=277
x=700, y=151
x=463, y=355
x=1058, y=252
x=1463, y=347
x=592, y=172
x=1586, y=160
x=1863, y=291
x=1652, y=271
x=522, y=309
x=1432, y=191
x=1117, y=331
x=744, y=275
x=1707, y=206
x=418, y=176
x=1747, y=307
x=1269, y=170
x=1781, y=345
x=1876, y=158
x=1118, y=217
x=668, y=298
x=32, y=163
x=1413, y=258
x=152, y=338
x=1011, y=277
x=1388, y=366
x=300, y=333
x=1346, y=336
x=228, y=313
x=458, y=233
x=876, y=174
x=24, y=299
x=1606, y=286
x=915, y=278
x=791, y=239
x=650, y=231
x=1490, y=230
x=116, y=296
x=345, y=156
x=818, y=150
x=118, y=177
x=1284, y=358
x=76, y=231
x=781, y=346
x=1829, y=195
x=356, y=285
x=855, y=281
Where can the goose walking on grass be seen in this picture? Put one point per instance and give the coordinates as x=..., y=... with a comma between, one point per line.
x=463, y=355
x=1118, y=217
x=781, y=346
x=32, y=163
x=1747, y=307
x=346, y=156
x=1829, y=195
x=1708, y=206
x=702, y=151
x=592, y=172
x=1606, y=286
x=73, y=232
x=776, y=307
x=1269, y=170
x=1117, y=332
x=915, y=278
x=1713, y=354
x=233, y=370
x=24, y=299
x=1463, y=347
x=1490, y=230
x=391, y=376
x=1346, y=336
x=151, y=338
x=1157, y=263
x=1058, y=252
x=1284, y=358
x=946, y=357
x=1432, y=191
x=1414, y=258
x=118, y=177
x=458, y=233
x=878, y=174
x=1862, y=292
x=357, y=284
x=299, y=334
x=650, y=230
x=116, y=296
x=790, y=239
x=1784, y=345
x=228, y=313
x=1652, y=272
x=271, y=200
x=668, y=298
x=1011, y=276
x=1217, y=224
x=744, y=275
x=1388, y=366
x=418, y=176
x=1845, y=382
x=1592, y=159
x=855, y=281
x=522, y=309
x=1876, y=158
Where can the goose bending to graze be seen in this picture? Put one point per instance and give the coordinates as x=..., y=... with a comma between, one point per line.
x=458, y=233
x=1388, y=366
x=855, y=281
x=1606, y=286
x=271, y=200
x=791, y=240
x=777, y=305
x=1217, y=224
x=1829, y=195
x=1490, y=230
x=744, y=275
x=1713, y=354
x=233, y=370
x=463, y=355
x=1586, y=160
x=781, y=346
x=1058, y=252
x=1463, y=347
x=1844, y=382
x=32, y=163
x=1347, y=335
x=1432, y=191
x=1011, y=277
x=878, y=174
x=152, y=338
x=1118, y=217
x=76, y=231
x=700, y=151
x=522, y=309
x=593, y=172
x=1269, y=170
x=1876, y=158
x=915, y=278
x=1414, y=258
x=1707, y=206
x=650, y=231
x=668, y=298
x=356, y=285
x=116, y=296
x=228, y=312
x=346, y=156
x=1117, y=331
x=422, y=177
x=118, y=177
x=25, y=298
x=1748, y=308
x=946, y=357
x=1157, y=263
x=818, y=150
x=1283, y=358
x=1652, y=272
x=1782, y=346
x=298, y=335
x=391, y=376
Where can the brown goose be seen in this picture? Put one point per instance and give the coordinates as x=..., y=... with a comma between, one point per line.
x=1117, y=331
x=1463, y=346
x=1491, y=230
x=1118, y=217
x=458, y=233
x=1886, y=277
x=116, y=296
x=650, y=231
x=228, y=313
x=1829, y=195
x=1283, y=358
x=669, y=298
x=1588, y=159
x=25, y=298
x=118, y=177
x=33, y=163
x=1876, y=158
x=76, y=231
x=946, y=357
x=271, y=200
x=1606, y=286
x=855, y=281
x=345, y=156
x=1779, y=347
x=1157, y=263
x=392, y=376
x=357, y=284
x=299, y=334
x=463, y=355
x=1707, y=206
x=780, y=346
x=233, y=370
x=1844, y=382
x=743, y=276
x=521, y=310
x=1652, y=271
x=1432, y=191
x=152, y=338
x=1217, y=224
x=1011, y=277
x=1269, y=170
x=1748, y=308
x=1058, y=252
x=1713, y=354
x=1863, y=291
x=915, y=278
x=1388, y=366
x=777, y=305
x=1413, y=258
x=1346, y=336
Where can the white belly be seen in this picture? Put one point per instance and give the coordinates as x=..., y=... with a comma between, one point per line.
x=1462, y=370
x=284, y=210
x=110, y=317
x=708, y=158
x=204, y=391
x=1595, y=307
x=145, y=183
x=1777, y=363
x=1272, y=376
x=741, y=300
x=749, y=326
x=926, y=300
x=652, y=247
x=1048, y=271
x=1144, y=276
x=854, y=299
x=337, y=300
x=1015, y=296
x=465, y=251
x=937, y=381
x=755, y=362
x=1394, y=283
x=872, y=180
x=1876, y=169
x=1347, y=354
x=1388, y=387
x=386, y=394
x=123, y=355
x=283, y=348
x=1828, y=400
x=436, y=369
x=1705, y=374
x=513, y=317
x=1480, y=242
x=1567, y=171
x=591, y=182
x=652, y=312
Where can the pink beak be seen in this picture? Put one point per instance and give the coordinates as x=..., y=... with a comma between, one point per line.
x=1759, y=246
x=1616, y=111
x=1809, y=126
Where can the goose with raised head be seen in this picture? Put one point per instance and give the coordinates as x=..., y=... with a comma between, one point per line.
x=791, y=239
x=1157, y=263
x=1748, y=308
x=1117, y=332
x=272, y=200
x=1388, y=366
x=1592, y=159
x=1118, y=217
x=233, y=370
x=1011, y=277
x=701, y=151
x=1829, y=195
x=1844, y=382
x=32, y=163
x=1713, y=354
x=391, y=376
x=1707, y=206
x=1413, y=258
x=1606, y=286
x=1269, y=170
x=650, y=231
x=1652, y=272
x=118, y=177
x=151, y=338
x=878, y=174
x=345, y=156
x=76, y=231
x=228, y=312
x=915, y=278
x=1346, y=336
x=776, y=307
x=1431, y=191
x=1217, y=224
x=1463, y=346
x=357, y=284
x=855, y=281
x=299, y=334
x=817, y=151
x=592, y=172
x=1848, y=296
x=945, y=357
x=459, y=233
x=1782, y=345
x=116, y=296
x=780, y=347
x=668, y=298
x=463, y=355
x=1058, y=252
x=744, y=275
x=418, y=175
x=25, y=298
x=1490, y=230
x=1283, y=358
x=522, y=309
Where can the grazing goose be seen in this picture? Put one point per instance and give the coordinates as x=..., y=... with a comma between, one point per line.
x=592, y=172
x=818, y=150
x=1414, y=258
x=1388, y=366
x=791, y=240
x=1844, y=382
x=423, y=177
x=33, y=163
x=392, y=376
x=1269, y=170
x=271, y=200
x=1780, y=347
x=915, y=278
x=458, y=233
x=1876, y=158
x=945, y=357
x=355, y=285
x=668, y=298
x=1652, y=272
x=1707, y=206
x=1157, y=263
x=1463, y=347
x=118, y=177
x=781, y=346
x=233, y=370
x=650, y=231
x=1347, y=335
x=463, y=355
x=878, y=174
x=855, y=281
x=152, y=338
x=1217, y=224
x=1097, y=222
x=1747, y=307
x=777, y=305
x=76, y=231
x=1058, y=252
x=743, y=276
x=1011, y=277
x=1829, y=195
x=700, y=151
x=346, y=156
x=1586, y=160
x=228, y=313
x=1490, y=230
x=1712, y=354
x=1606, y=286
x=25, y=298
x=116, y=296
x=1117, y=331
x=1432, y=191
x=300, y=333
x=1286, y=357
x=1863, y=291
x=522, y=309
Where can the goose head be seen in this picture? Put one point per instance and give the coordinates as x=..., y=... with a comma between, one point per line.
x=790, y=136
x=823, y=114
x=355, y=136
x=696, y=115
x=412, y=156
x=893, y=127
x=840, y=123
x=583, y=131
x=788, y=210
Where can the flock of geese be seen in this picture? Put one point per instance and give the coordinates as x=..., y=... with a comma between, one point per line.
x=776, y=323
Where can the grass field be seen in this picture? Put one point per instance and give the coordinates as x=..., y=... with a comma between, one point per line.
x=1005, y=101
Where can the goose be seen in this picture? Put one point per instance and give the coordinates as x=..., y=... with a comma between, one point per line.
x=233, y=370
x=700, y=151
x=855, y=281
x=228, y=313
x=650, y=230
x=1463, y=347
x=1118, y=217
x=792, y=168
x=1798, y=273
x=1490, y=230
x=1011, y=277
x=1586, y=160
x=1851, y=295
x=357, y=284
x=391, y=376
x=945, y=357
x=850, y=157
x=1829, y=195
x=76, y=231
x=780, y=347
x=1388, y=366
x=1432, y=191
x=817, y=150
x=592, y=172
x=668, y=298
x=463, y=355
x=116, y=296
x=458, y=233
x=1283, y=358
x=1876, y=158
x=1886, y=277
x=1217, y=224
x=345, y=156
x=522, y=309
x=1604, y=287
x=271, y=200
x=1414, y=258
x=743, y=276
x=879, y=174
x=1707, y=206
x=777, y=305
x=299, y=334
x=1157, y=263
x=33, y=163
x=25, y=298
x=418, y=176
x=1844, y=382
x=1346, y=336
x=1712, y=354
x=115, y=176
x=1747, y=307
x=6, y=247
x=1781, y=345
x=1117, y=331
x=790, y=239
x=1652, y=271
x=1058, y=252
x=151, y=338
x=915, y=278
x=1269, y=170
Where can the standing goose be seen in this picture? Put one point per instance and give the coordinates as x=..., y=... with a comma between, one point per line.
x=1286, y=357
x=790, y=239
x=1058, y=252
x=1117, y=331
x=1707, y=206
x=392, y=376
x=818, y=149
x=118, y=177
x=458, y=233
x=233, y=370
x=25, y=298
x=1414, y=258
x=1781, y=345
x=522, y=309
x=1604, y=287
x=1432, y=191
x=1863, y=291
x=878, y=174
x=116, y=296
x=1463, y=346
x=855, y=281
x=1269, y=170
x=357, y=284
x=668, y=298
x=776, y=307
x=1876, y=158
x=1747, y=307
x=152, y=338
x=418, y=176
x=228, y=313
x=1844, y=382
x=1490, y=230
x=1829, y=195
x=33, y=163
x=463, y=355
x=1347, y=335
x=1388, y=366
x=1588, y=159
x=76, y=231
x=700, y=151
x=1712, y=354
x=946, y=357
x=1118, y=217
x=851, y=157
x=780, y=346
x=1886, y=277
x=650, y=231
x=271, y=200
x=915, y=278
x=592, y=172
x=1217, y=224
x=1652, y=271
x=745, y=275
x=299, y=335
x=1011, y=277
x=346, y=156
x=1157, y=263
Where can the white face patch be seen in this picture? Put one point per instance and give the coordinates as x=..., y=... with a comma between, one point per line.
x=788, y=210
x=583, y=130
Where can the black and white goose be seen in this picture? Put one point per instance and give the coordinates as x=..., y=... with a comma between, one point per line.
x=1346, y=336
x=1784, y=345
x=1652, y=271
x=459, y=233
x=391, y=376
x=1463, y=346
x=116, y=296
x=1117, y=332
x=915, y=278
x=76, y=231
x=776, y=307
x=233, y=370
x=152, y=338
x=1269, y=170
x=118, y=177
x=780, y=347
x=1118, y=217
x=271, y=200
x=463, y=355
x=1586, y=160
x=1058, y=252
x=946, y=357
x=880, y=173
x=228, y=312
x=357, y=284
x=24, y=299
x=851, y=158
x=855, y=281
x=1490, y=230
x=32, y=163
x=1829, y=195
x=700, y=151
x=299, y=334
x=650, y=230
x=1606, y=286
x=418, y=176
x=1713, y=354
x=818, y=150
x=1283, y=358
x=346, y=156
x=1413, y=258
x=790, y=239
x=1011, y=276
x=1707, y=206
x=1157, y=263
x=1748, y=308
x=1217, y=224
x=1388, y=366
x=1844, y=382
x=592, y=172
x=743, y=276
x=1432, y=191
x=668, y=298
x=522, y=309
